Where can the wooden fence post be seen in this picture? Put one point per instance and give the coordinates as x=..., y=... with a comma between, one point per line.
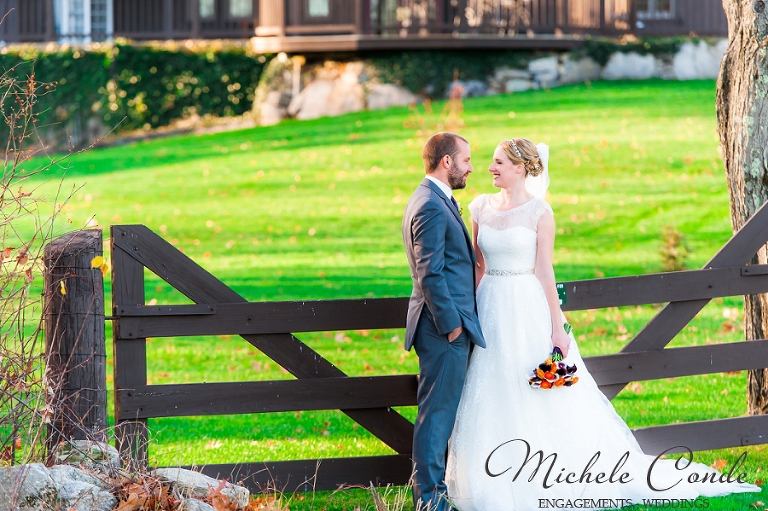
x=130, y=369
x=74, y=338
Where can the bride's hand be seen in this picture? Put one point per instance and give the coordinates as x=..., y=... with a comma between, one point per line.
x=561, y=340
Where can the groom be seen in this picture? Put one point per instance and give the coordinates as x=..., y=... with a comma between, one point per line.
x=442, y=314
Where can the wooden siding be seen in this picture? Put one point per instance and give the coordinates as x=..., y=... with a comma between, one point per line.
x=692, y=17
x=26, y=20
x=362, y=25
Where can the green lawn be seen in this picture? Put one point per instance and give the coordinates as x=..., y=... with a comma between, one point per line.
x=312, y=210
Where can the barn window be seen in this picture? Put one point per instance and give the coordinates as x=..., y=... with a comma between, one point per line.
x=655, y=9
x=240, y=8
x=319, y=8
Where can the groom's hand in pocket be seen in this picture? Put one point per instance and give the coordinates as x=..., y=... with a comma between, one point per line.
x=454, y=334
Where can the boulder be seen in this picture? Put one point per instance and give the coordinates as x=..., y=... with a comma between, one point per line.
x=82, y=496
x=630, y=66
x=470, y=88
x=273, y=94
x=27, y=488
x=545, y=71
x=310, y=103
x=271, y=111
x=518, y=85
x=546, y=65
x=696, y=62
x=576, y=71
x=504, y=74
x=62, y=474
x=195, y=505
x=196, y=485
x=336, y=90
x=385, y=95
x=88, y=453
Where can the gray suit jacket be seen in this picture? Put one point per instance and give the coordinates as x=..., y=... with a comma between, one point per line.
x=442, y=263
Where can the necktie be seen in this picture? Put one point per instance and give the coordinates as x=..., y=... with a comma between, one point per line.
x=455, y=204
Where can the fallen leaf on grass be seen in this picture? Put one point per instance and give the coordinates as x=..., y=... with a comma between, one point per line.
x=759, y=482
x=719, y=464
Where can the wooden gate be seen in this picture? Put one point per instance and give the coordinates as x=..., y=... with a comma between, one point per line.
x=319, y=385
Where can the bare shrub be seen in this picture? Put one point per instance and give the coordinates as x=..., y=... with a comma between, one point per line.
x=26, y=224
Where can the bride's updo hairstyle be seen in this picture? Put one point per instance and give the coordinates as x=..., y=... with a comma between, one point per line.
x=527, y=155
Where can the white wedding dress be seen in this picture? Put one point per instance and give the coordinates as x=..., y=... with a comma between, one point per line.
x=498, y=405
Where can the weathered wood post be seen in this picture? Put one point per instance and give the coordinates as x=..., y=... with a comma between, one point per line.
x=74, y=339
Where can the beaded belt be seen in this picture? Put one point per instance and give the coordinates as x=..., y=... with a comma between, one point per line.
x=507, y=273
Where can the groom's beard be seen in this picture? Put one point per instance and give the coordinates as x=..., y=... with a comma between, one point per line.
x=457, y=178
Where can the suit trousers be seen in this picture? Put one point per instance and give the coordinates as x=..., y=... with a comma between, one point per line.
x=442, y=371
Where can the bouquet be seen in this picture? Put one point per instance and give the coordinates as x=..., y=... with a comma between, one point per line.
x=553, y=372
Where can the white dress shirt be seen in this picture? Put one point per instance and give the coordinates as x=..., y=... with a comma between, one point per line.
x=443, y=187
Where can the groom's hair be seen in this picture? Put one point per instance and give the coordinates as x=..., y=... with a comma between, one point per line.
x=439, y=145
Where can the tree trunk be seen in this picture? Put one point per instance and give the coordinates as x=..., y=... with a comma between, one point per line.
x=742, y=114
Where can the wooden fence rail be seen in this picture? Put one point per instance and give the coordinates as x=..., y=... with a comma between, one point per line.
x=369, y=400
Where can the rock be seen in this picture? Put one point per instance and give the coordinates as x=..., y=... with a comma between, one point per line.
x=696, y=62
x=575, y=71
x=274, y=92
x=630, y=66
x=384, y=95
x=271, y=111
x=504, y=74
x=62, y=474
x=518, y=85
x=197, y=485
x=335, y=90
x=546, y=65
x=470, y=88
x=27, y=488
x=88, y=453
x=545, y=71
x=194, y=505
x=82, y=496
x=311, y=102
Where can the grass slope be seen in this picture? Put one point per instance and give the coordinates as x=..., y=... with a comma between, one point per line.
x=312, y=210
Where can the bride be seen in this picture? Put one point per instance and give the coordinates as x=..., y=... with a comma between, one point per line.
x=516, y=448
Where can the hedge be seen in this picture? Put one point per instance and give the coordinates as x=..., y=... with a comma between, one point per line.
x=138, y=86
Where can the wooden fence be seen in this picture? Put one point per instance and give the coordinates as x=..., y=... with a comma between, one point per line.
x=319, y=385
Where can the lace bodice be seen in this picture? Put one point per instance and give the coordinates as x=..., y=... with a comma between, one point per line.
x=507, y=239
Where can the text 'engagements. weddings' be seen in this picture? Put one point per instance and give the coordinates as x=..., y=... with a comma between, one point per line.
x=624, y=504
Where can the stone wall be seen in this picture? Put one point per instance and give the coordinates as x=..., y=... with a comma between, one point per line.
x=289, y=88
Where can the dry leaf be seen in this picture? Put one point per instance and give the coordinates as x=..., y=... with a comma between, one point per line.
x=759, y=482
x=136, y=497
x=7, y=253
x=97, y=261
x=719, y=464
x=104, y=268
x=62, y=288
x=218, y=500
